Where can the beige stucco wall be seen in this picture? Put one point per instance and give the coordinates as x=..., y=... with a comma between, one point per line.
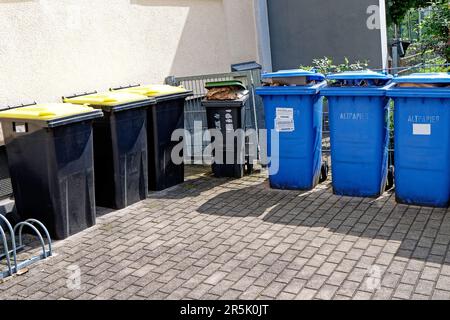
x=50, y=48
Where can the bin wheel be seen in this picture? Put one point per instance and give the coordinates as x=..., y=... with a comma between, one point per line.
x=390, y=178
x=238, y=171
x=324, y=172
x=249, y=169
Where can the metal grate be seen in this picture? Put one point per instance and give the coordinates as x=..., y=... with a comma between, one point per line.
x=5, y=180
x=195, y=114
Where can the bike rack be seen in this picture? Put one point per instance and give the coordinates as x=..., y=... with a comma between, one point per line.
x=15, y=267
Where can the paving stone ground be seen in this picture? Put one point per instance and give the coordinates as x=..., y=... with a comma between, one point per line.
x=238, y=239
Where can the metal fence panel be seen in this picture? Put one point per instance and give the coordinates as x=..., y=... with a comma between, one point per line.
x=5, y=179
x=195, y=115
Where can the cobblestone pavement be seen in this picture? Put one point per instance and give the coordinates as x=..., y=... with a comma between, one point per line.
x=237, y=239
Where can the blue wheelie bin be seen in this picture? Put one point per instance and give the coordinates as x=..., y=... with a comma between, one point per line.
x=422, y=133
x=294, y=112
x=359, y=132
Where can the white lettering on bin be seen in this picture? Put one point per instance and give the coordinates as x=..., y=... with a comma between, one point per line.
x=358, y=116
x=424, y=119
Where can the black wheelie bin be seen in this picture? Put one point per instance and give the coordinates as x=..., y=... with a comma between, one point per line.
x=120, y=147
x=50, y=156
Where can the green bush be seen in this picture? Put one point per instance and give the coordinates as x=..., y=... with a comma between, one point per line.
x=430, y=37
x=436, y=66
x=397, y=9
x=434, y=30
x=326, y=65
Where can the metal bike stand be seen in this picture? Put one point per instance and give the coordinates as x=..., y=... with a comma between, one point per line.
x=15, y=267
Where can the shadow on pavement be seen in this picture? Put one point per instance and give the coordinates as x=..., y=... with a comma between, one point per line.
x=190, y=188
x=423, y=233
x=197, y=182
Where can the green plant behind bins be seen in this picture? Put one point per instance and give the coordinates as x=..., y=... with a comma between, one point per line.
x=397, y=9
x=326, y=65
x=430, y=36
x=435, y=29
x=437, y=66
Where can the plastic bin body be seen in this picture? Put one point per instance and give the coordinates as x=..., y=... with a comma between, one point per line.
x=166, y=116
x=52, y=173
x=228, y=116
x=121, y=157
x=300, y=148
x=422, y=146
x=359, y=133
x=120, y=148
x=359, y=136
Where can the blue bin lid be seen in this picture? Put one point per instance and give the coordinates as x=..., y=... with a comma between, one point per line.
x=353, y=89
x=424, y=78
x=290, y=90
x=312, y=75
x=359, y=75
x=418, y=92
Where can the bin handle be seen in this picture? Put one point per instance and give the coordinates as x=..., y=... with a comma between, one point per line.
x=23, y=105
x=76, y=95
x=391, y=84
x=125, y=87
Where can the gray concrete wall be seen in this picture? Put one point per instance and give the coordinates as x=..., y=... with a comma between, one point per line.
x=301, y=30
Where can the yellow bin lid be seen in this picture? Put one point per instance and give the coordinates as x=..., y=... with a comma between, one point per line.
x=109, y=99
x=46, y=111
x=154, y=90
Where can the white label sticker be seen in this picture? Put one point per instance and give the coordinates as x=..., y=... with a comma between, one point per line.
x=287, y=113
x=284, y=121
x=284, y=125
x=21, y=128
x=421, y=129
